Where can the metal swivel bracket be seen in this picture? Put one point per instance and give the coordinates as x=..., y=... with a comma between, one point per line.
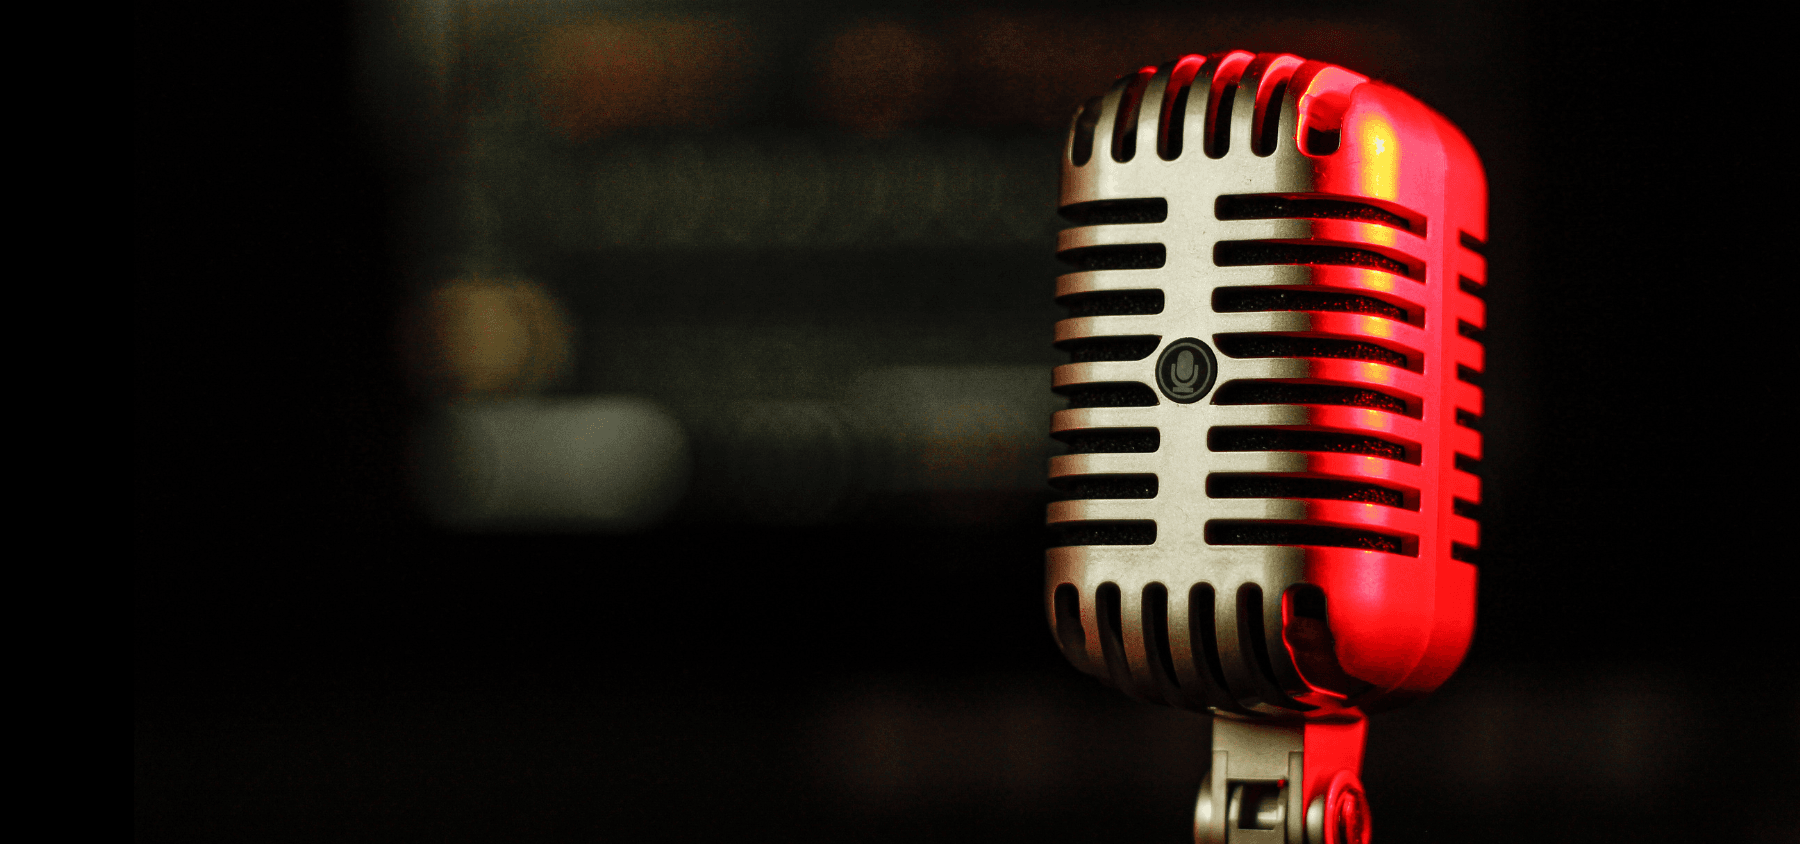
x=1283, y=783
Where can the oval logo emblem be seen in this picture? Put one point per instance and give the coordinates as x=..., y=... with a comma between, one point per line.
x=1186, y=370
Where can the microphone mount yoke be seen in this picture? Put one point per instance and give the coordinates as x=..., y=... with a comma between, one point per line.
x=1254, y=791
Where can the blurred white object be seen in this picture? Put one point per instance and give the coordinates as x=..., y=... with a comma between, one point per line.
x=593, y=463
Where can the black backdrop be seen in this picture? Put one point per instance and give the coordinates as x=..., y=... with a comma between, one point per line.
x=313, y=659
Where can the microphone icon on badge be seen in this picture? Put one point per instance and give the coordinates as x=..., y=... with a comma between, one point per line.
x=1186, y=370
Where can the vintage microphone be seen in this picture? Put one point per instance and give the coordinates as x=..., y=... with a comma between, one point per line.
x=1271, y=479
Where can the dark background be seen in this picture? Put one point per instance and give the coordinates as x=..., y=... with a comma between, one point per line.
x=314, y=659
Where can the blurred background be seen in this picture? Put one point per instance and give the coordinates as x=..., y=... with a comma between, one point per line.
x=628, y=420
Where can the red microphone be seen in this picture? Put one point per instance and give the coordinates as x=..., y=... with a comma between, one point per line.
x=1273, y=424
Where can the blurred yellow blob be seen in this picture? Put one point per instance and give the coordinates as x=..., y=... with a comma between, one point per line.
x=486, y=337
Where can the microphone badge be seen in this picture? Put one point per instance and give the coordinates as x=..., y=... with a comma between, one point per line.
x=1185, y=370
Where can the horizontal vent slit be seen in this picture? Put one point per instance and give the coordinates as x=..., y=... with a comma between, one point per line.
x=1110, y=212
x=1462, y=553
x=1111, y=440
x=1237, y=300
x=1111, y=394
x=1465, y=508
x=1285, y=439
x=1287, y=533
x=1283, y=346
x=1326, y=489
x=1468, y=375
x=1472, y=243
x=1468, y=420
x=1113, y=303
x=1135, y=532
x=1269, y=206
x=1465, y=463
x=1100, y=349
x=1124, y=256
x=1279, y=392
x=1469, y=330
x=1471, y=286
x=1106, y=486
x=1256, y=253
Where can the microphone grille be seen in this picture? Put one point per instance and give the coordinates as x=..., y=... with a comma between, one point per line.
x=1274, y=318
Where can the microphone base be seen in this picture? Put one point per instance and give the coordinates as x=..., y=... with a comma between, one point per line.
x=1284, y=782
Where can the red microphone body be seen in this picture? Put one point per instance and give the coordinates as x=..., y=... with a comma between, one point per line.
x=1271, y=479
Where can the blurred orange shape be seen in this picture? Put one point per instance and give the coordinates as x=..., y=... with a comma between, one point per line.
x=601, y=76
x=478, y=337
x=879, y=76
